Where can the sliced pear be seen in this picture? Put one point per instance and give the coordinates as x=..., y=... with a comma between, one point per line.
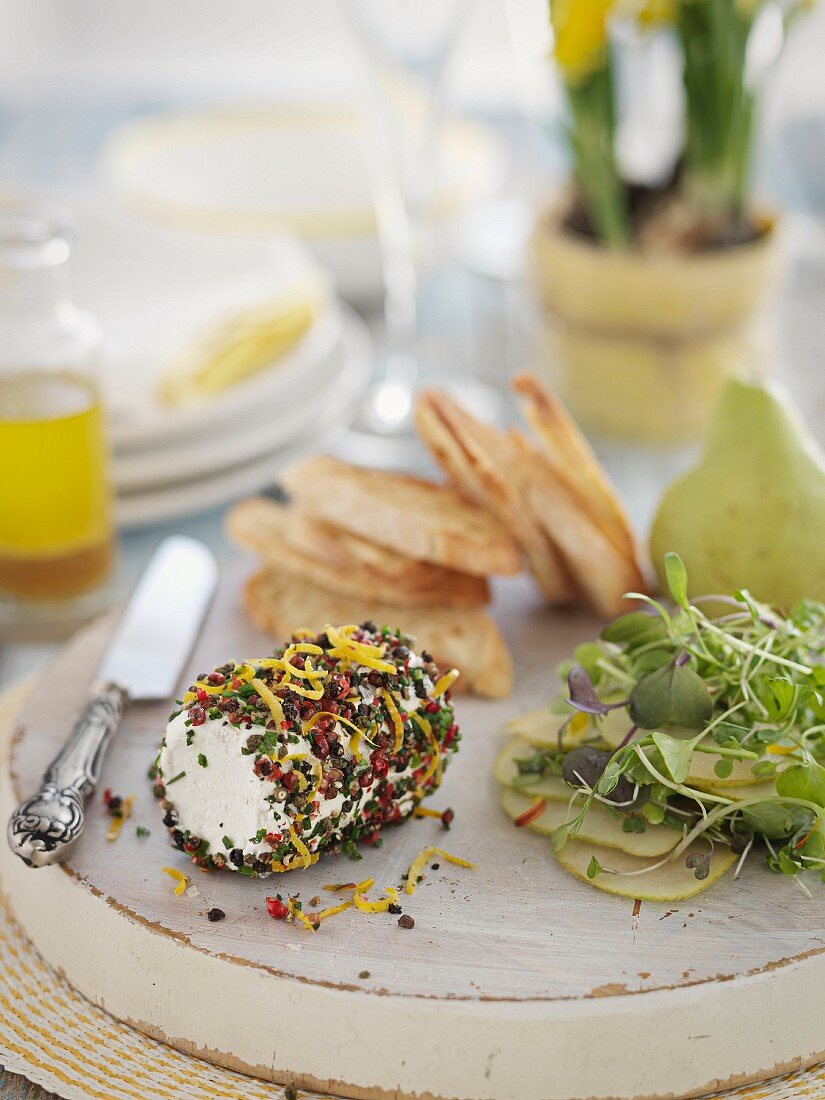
x=505, y=769
x=702, y=765
x=673, y=881
x=742, y=792
x=598, y=827
x=541, y=727
x=703, y=776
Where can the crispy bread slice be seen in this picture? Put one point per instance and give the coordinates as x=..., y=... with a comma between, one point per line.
x=602, y=572
x=481, y=462
x=319, y=553
x=572, y=458
x=468, y=640
x=417, y=518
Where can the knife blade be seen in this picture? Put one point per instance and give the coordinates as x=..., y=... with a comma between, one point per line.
x=143, y=661
x=160, y=624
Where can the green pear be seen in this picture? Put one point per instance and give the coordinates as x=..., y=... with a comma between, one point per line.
x=751, y=513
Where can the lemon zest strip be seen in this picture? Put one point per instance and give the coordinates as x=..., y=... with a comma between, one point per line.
x=379, y=906
x=179, y=877
x=445, y=682
x=423, y=857
x=434, y=767
x=332, y=910
x=302, y=917
x=301, y=848
x=395, y=717
x=272, y=701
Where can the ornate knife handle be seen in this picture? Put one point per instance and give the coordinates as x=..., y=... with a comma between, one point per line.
x=43, y=827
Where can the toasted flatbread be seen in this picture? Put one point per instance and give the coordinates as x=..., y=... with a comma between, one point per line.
x=417, y=518
x=573, y=458
x=467, y=640
x=319, y=553
x=469, y=452
x=602, y=572
x=540, y=499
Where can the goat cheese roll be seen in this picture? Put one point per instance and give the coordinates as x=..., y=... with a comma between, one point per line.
x=270, y=762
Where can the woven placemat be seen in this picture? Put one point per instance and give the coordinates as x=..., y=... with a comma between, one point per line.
x=53, y=1036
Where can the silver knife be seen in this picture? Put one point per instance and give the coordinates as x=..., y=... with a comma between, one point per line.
x=144, y=661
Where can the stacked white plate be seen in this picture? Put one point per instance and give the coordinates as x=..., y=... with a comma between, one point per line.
x=153, y=291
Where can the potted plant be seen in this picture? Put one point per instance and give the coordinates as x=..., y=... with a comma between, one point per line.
x=654, y=295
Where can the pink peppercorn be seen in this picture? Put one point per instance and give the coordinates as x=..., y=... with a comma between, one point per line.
x=276, y=908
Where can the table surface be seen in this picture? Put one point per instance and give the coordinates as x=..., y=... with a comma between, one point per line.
x=14, y=1087
x=640, y=473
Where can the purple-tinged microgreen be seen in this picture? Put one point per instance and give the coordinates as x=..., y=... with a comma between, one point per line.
x=582, y=693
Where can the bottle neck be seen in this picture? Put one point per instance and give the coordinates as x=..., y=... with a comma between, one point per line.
x=33, y=291
x=34, y=258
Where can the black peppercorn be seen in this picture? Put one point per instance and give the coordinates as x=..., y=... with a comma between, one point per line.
x=215, y=914
x=406, y=921
x=236, y=857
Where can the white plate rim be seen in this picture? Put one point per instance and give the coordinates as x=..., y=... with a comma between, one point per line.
x=201, y=494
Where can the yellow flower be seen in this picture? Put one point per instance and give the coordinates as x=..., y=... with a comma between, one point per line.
x=653, y=12
x=580, y=29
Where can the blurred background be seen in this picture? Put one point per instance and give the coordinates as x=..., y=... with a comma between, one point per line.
x=284, y=218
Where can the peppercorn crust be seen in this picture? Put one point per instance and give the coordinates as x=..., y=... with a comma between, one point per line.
x=311, y=550
x=417, y=518
x=468, y=640
x=273, y=761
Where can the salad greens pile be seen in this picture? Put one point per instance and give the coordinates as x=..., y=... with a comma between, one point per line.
x=708, y=717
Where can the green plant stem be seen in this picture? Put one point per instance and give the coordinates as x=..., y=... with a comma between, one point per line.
x=720, y=108
x=592, y=137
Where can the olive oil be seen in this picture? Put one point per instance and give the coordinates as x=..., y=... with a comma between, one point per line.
x=55, y=507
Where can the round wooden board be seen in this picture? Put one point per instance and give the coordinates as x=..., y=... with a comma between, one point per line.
x=516, y=980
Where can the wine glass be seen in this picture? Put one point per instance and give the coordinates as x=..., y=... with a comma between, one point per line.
x=406, y=50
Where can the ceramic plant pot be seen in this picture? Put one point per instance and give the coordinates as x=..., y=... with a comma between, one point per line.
x=639, y=344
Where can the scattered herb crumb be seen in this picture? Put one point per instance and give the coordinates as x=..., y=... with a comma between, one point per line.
x=175, y=778
x=204, y=763
x=364, y=974
x=394, y=909
x=141, y=830
x=291, y=1092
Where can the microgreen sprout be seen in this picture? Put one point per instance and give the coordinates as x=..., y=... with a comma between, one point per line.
x=718, y=707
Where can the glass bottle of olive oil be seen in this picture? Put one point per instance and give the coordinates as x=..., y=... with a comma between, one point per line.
x=56, y=543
